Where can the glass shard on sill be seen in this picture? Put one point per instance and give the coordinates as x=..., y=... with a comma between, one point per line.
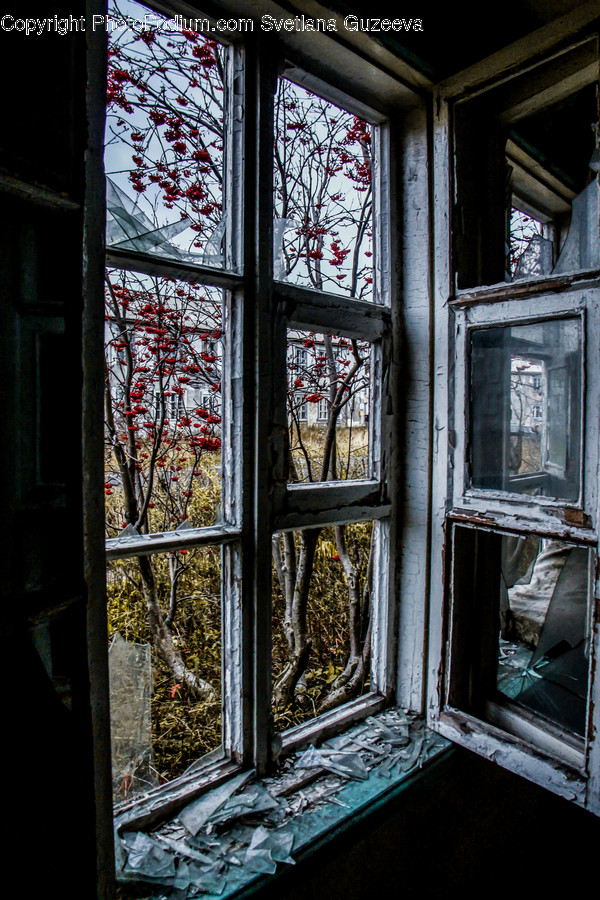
x=241, y=852
x=145, y=854
x=348, y=765
x=252, y=801
x=266, y=849
x=198, y=812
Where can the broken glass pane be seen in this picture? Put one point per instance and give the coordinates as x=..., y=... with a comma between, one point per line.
x=544, y=643
x=581, y=249
x=526, y=408
x=164, y=352
x=521, y=638
x=321, y=619
x=170, y=604
x=530, y=251
x=164, y=139
x=130, y=672
x=329, y=404
x=323, y=231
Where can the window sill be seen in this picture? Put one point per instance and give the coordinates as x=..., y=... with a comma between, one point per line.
x=272, y=822
x=513, y=290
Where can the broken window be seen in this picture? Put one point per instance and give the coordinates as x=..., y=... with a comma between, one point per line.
x=521, y=624
x=526, y=174
x=165, y=156
x=519, y=478
x=247, y=498
x=172, y=419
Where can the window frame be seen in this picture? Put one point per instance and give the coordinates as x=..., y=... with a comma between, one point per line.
x=260, y=310
x=550, y=513
x=531, y=751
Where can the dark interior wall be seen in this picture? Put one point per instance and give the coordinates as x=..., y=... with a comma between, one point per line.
x=47, y=750
x=468, y=829
x=466, y=822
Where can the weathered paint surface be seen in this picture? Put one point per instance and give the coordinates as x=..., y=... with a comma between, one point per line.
x=555, y=761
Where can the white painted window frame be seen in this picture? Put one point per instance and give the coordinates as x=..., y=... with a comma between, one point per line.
x=257, y=499
x=547, y=513
x=516, y=742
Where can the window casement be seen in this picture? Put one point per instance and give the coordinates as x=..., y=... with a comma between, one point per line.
x=514, y=636
x=247, y=316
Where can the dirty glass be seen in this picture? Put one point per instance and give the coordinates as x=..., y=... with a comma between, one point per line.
x=322, y=594
x=165, y=136
x=329, y=405
x=525, y=408
x=521, y=627
x=164, y=622
x=544, y=644
x=552, y=163
x=164, y=350
x=536, y=248
x=323, y=197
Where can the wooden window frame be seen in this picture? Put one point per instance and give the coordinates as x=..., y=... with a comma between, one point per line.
x=527, y=748
x=258, y=502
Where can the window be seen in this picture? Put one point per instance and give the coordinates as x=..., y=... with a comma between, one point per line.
x=517, y=478
x=247, y=482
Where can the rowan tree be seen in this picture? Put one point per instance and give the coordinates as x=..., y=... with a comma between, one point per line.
x=166, y=153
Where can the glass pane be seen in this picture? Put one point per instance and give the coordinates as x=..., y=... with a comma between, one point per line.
x=321, y=619
x=521, y=627
x=164, y=138
x=323, y=229
x=164, y=621
x=531, y=250
x=544, y=645
x=164, y=354
x=329, y=404
x=526, y=408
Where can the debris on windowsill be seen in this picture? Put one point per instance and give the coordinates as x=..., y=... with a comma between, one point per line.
x=246, y=829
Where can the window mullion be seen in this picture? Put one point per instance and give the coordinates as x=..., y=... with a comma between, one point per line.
x=260, y=82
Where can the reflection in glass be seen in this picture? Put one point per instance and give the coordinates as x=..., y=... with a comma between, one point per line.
x=526, y=408
x=544, y=647
x=328, y=406
x=322, y=589
x=163, y=355
x=323, y=229
x=164, y=139
x=164, y=622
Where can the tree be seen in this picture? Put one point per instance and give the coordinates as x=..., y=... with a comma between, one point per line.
x=165, y=143
x=323, y=169
x=161, y=337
